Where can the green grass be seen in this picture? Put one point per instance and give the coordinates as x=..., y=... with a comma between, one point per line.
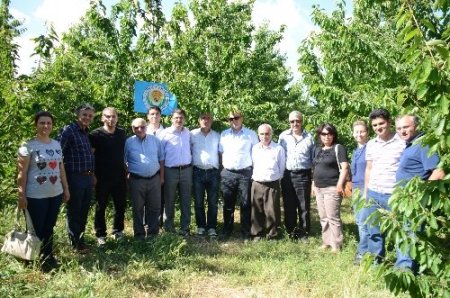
x=170, y=266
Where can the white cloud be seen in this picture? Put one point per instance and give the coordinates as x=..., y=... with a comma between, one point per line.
x=288, y=13
x=62, y=14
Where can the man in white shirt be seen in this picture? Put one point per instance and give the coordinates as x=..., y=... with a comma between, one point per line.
x=268, y=167
x=236, y=145
x=205, y=158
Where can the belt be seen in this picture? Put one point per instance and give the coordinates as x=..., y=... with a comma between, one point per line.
x=136, y=176
x=182, y=167
x=240, y=170
x=87, y=173
x=211, y=169
x=303, y=171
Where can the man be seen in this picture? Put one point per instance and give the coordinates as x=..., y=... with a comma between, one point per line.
x=144, y=160
x=205, y=158
x=108, y=143
x=296, y=183
x=155, y=128
x=415, y=161
x=79, y=162
x=268, y=167
x=236, y=145
x=178, y=172
x=383, y=156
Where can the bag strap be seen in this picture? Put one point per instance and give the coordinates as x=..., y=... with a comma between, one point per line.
x=337, y=157
x=30, y=227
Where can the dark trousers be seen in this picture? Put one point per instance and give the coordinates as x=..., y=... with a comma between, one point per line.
x=80, y=187
x=234, y=184
x=106, y=187
x=205, y=181
x=296, y=190
x=44, y=213
x=266, y=211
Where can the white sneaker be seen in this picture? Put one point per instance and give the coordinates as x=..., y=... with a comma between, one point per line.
x=212, y=232
x=118, y=236
x=101, y=241
x=200, y=231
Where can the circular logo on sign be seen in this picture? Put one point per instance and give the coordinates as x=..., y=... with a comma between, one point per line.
x=156, y=95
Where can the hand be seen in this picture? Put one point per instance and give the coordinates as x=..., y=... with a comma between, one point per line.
x=339, y=189
x=22, y=203
x=66, y=196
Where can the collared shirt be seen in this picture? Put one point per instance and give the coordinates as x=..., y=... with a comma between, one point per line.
x=385, y=157
x=143, y=156
x=236, y=148
x=205, y=149
x=358, y=166
x=76, y=148
x=416, y=162
x=268, y=162
x=158, y=133
x=177, y=147
x=299, y=154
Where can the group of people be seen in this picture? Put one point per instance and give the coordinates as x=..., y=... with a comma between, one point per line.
x=160, y=164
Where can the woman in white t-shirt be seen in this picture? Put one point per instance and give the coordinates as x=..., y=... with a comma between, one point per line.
x=42, y=183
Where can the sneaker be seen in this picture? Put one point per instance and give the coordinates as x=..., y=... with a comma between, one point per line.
x=212, y=232
x=101, y=241
x=200, y=231
x=118, y=236
x=357, y=259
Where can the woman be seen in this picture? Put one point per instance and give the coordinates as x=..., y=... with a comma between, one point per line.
x=42, y=183
x=358, y=168
x=328, y=181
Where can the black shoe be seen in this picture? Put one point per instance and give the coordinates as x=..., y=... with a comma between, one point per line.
x=49, y=263
x=83, y=249
x=224, y=237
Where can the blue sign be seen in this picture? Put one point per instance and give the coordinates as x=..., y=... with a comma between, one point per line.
x=148, y=94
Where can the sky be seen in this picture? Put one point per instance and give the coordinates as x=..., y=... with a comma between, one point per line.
x=37, y=15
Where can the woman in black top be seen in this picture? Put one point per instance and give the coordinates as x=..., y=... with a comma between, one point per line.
x=330, y=172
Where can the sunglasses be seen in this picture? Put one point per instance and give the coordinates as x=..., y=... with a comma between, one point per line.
x=139, y=127
x=325, y=134
x=234, y=118
x=295, y=121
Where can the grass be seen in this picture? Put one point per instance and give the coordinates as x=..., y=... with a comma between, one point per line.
x=171, y=266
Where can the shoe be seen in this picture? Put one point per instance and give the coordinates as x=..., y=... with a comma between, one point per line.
x=335, y=250
x=101, y=241
x=118, y=236
x=212, y=232
x=83, y=249
x=357, y=259
x=324, y=246
x=183, y=233
x=48, y=264
x=200, y=231
x=224, y=237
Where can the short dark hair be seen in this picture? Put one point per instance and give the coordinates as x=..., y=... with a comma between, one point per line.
x=179, y=111
x=83, y=107
x=380, y=113
x=154, y=108
x=43, y=114
x=331, y=130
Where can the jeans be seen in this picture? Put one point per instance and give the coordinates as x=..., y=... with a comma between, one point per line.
x=234, y=184
x=44, y=213
x=206, y=181
x=114, y=186
x=296, y=190
x=363, y=232
x=80, y=187
x=376, y=243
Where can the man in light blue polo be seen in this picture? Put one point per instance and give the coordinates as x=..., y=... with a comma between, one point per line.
x=144, y=160
x=178, y=172
x=236, y=147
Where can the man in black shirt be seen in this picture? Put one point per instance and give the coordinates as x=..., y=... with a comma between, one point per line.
x=108, y=144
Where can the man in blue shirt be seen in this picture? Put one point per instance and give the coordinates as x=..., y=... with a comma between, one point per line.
x=144, y=160
x=79, y=162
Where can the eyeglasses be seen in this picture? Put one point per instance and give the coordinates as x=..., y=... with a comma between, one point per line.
x=325, y=134
x=295, y=121
x=264, y=133
x=109, y=116
x=234, y=118
x=139, y=127
x=205, y=118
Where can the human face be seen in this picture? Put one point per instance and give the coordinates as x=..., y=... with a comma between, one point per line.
x=381, y=127
x=296, y=124
x=109, y=118
x=85, y=117
x=235, y=121
x=205, y=122
x=178, y=120
x=139, y=128
x=154, y=116
x=326, y=137
x=406, y=128
x=360, y=134
x=44, y=126
x=265, y=135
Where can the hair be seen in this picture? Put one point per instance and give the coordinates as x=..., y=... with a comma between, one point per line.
x=138, y=120
x=201, y=114
x=296, y=115
x=83, y=107
x=43, y=114
x=236, y=112
x=361, y=123
x=110, y=109
x=154, y=108
x=179, y=111
x=265, y=125
x=331, y=129
x=416, y=119
x=380, y=113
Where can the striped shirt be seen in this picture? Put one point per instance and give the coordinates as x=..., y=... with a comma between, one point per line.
x=385, y=157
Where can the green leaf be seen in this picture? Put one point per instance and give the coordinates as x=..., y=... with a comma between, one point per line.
x=411, y=34
x=444, y=104
x=422, y=90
